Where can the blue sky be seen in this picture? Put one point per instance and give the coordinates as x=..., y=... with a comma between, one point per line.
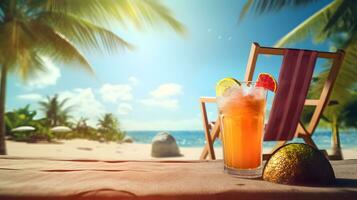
x=157, y=85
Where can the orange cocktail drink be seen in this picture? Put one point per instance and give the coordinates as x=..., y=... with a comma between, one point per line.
x=242, y=111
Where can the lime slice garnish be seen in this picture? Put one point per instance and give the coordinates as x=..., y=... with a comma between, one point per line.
x=224, y=84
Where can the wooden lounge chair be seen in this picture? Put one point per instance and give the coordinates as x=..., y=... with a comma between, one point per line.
x=212, y=129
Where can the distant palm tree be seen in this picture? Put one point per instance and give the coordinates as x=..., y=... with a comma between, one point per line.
x=336, y=23
x=108, y=122
x=82, y=127
x=55, y=110
x=108, y=127
x=61, y=29
x=20, y=117
x=82, y=123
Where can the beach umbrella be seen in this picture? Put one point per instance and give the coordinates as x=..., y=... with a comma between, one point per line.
x=23, y=129
x=61, y=129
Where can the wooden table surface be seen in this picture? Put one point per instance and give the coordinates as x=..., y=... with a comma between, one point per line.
x=40, y=178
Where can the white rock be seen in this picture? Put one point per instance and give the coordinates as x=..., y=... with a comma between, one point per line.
x=127, y=139
x=164, y=145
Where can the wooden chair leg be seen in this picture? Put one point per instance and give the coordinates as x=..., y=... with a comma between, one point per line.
x=308, y=140
x=266, y=156
x=214, y=134
x=207, y=132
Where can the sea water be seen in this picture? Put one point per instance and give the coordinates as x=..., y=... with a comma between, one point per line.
x=197, y=138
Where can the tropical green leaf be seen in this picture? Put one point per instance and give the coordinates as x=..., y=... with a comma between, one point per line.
x=19, y=117
x=263, y=6
x=55, y=110
x=60, y=29
x=159, y=12
x=84, y=33
x=344, y=19
x=346, y=80
x=245, y=9
x=138, y=12
x=313, y=26
x=349, y=119
x=53, y=44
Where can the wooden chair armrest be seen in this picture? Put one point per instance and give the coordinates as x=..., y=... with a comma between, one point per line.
x=208, y=99
x=315, y=102
x=308, y=102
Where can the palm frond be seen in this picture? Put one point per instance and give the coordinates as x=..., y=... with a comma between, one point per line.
x=263, y=6
x=245, y=9
x=59, y=29
x=313, y=26
x=90, y=9
x=343, y=19
x=15, y=40
x=54, y=45
x=30, y=64
x=152, y=11
x=63, y=102
x=68, y=109
x=138, y=12
x=43, y=105
x=350, y=113
x=84, y=33
x=20, y=53
x=27, y=42
x=346, y=79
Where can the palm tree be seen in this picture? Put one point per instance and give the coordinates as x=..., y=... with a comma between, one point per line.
x=82, y=123
x=19, y=117
x=55, y=111
x=108, y=122
x=82, y=128
x=61, y=29
x=108, y=126
x=336, y=23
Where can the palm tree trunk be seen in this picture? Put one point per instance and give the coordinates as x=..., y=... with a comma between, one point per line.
x=2, y=109
x=335, y=140
x=55, y=119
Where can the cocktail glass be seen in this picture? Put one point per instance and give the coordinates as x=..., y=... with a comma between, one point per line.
x=242, y=111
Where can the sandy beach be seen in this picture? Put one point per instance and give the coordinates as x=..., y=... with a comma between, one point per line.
x=86, y=149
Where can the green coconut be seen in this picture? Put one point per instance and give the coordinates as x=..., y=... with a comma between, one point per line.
x=298, y=164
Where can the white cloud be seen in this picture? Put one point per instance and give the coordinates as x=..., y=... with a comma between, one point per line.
x=169, y=104
x=160, y=124
x=85, y=104
x=133, y=80
x=124, y=109
x=162, y=97
x=113, y=93
x=167, y=90
x=49, y=76
x=30, y=96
